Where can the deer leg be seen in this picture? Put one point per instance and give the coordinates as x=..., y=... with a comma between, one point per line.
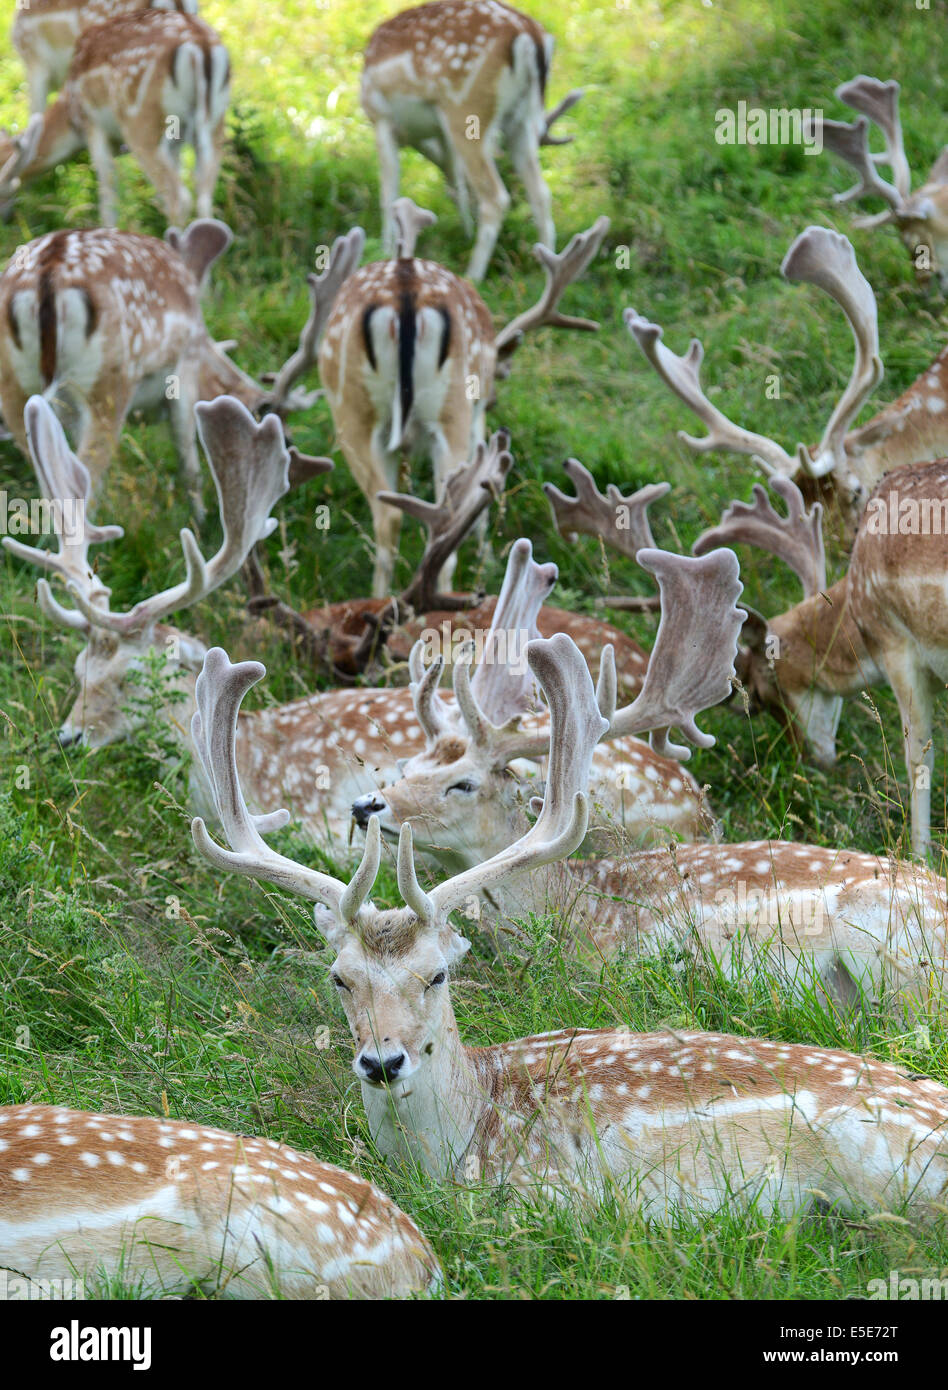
x=440, y=150
x=100, y=153
x=39, y=88
x=185, y=437
x=389, y=174
x=99, y=427
x=161, y=165
x=208, y=154
x=913, y=687
x=525, y=154
x=491, y=196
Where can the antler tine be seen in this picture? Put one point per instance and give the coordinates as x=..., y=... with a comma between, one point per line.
x=343, y=260
x=502, y=687
x=467, y=491
x=880, y=102
x=683, y=376
x=692, y=662
x=249, y=463
x=64, y=482
x=560, y=109
x=561, y=270
x=621, y=522
x=24, y=148
x=410, y=220
x=797, y=538
x=221, y=687
x=433, y=715
x=826, y=259
x=576, y=727
x=850, y=142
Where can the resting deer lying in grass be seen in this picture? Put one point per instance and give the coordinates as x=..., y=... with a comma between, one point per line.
x=150, y=81
x=843, y=920
x=319, y=752
x=685, y=1123
x=921, y=217
x=176, y=1208
x=408, y=359
x=45, y=32
x=913, y=429
x=103, y=322
x=885, y=621
x=355, y=633
x=455, y=79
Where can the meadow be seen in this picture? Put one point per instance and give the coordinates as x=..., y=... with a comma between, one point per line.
x=132, y=976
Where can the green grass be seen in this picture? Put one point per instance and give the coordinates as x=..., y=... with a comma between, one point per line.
x=130, y=977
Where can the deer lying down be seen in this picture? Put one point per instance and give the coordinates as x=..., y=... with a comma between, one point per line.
x=44, y=34
x=320, y=752
x=845, y=921
x=174, y=1209
x=150, y=81
x=913, y=429
x=683, y=1123
x=885, y=621
x=102, y=322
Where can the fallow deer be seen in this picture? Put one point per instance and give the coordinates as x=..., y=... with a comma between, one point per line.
x=150, y=81
x=456, y=79
x=45, y=32
x=175, y=1208
x=102, y=322
x=684, y=1123
x=408, y=360
x=913, y=429
x=346, y=740
x=885, y=621
x=921, y=217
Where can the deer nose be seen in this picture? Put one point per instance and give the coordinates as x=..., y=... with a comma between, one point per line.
x=365, y=806
x=377, y=1069
x=68, y=737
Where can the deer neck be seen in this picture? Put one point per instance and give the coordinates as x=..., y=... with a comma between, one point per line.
x=430, y=1119
x=820, y=644
x=911, y=429
x=60, y=138
x=219, y=376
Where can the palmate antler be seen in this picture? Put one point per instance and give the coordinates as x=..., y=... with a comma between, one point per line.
x=797, y=538
x=561, y=270
x=64, y=482
x=343, y=260
x=619, y=521
x=560, y=109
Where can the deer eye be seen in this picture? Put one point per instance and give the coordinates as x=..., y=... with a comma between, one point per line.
x=340, y=983
x=439, y=979
x=465, y=785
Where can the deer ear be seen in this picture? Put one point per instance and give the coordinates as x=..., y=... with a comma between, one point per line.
x=754, y=631
x=454, y=945
x=916, y=210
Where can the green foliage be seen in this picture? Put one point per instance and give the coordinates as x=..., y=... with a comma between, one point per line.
x=131, y=976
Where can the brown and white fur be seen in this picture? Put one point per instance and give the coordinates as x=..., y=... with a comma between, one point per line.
x=150, y=81
x=170, y=1208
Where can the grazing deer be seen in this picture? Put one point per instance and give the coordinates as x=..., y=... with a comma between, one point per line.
x=885, y=621
x=456, y=79
x=45, y=32
x=151, y=81
x=408, y=359
x=921, y=217
x=345, y=741
x=102, y=322
x=178, y=1208
x=913, y=429
x=685, y=1123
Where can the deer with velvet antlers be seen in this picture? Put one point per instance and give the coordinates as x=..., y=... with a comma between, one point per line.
x=174, y=1208
x=319, y=752
x=921, y=217
x=681, y=1122
x=103, y=322
x=850, y=923
x=913, y=429
x=150, y=81
x=44, y=34
x=408, y=357
x=455, y=79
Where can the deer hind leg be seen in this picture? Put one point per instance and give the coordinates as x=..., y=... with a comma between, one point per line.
x=161, y=164
x=440, y=150
x=181, y=410
x=913, y=687
x=386, y=143
x=100, y=153
x=38, y=81
x=208, y=156
x=100, y=420
x=525, y=154
x=492, y=198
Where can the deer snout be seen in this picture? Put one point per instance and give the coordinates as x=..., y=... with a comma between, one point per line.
x=379, y=1070
x=364, y=807
x=69, y=737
